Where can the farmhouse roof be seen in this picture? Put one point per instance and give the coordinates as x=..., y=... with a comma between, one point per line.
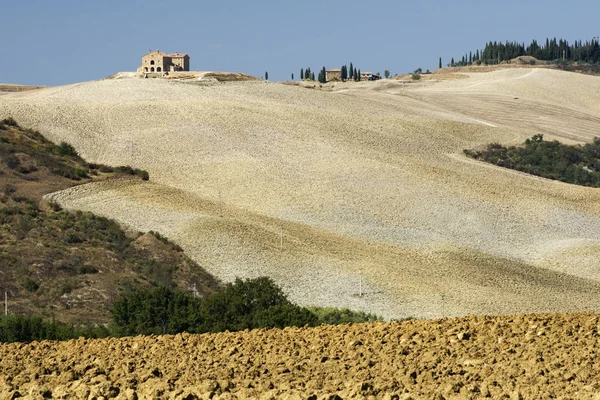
x=172, y=55
x=334, y=70
x=366, y=73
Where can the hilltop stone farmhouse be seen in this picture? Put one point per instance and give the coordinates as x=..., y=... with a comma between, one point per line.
x=333, y=74
x=157, y=61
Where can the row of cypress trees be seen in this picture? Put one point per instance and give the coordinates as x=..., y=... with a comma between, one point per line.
x=551, y=50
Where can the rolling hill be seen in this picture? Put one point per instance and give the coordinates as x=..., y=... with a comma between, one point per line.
x=364, y=182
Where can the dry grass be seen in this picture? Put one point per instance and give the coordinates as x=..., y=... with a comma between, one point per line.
x=368, y=175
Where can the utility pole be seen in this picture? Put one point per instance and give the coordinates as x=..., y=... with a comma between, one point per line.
x=360, y=284
x=281, y=239
x=443, y=305
x=220, y=204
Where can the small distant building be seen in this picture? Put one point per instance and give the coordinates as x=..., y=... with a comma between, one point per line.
x=333, y=74
x=365, y=76
x=157, y=61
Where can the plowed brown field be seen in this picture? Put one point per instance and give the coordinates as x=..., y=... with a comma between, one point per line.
x=529, y=357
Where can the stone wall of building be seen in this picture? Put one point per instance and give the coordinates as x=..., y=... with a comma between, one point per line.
x=157, y=61
x=333, y=75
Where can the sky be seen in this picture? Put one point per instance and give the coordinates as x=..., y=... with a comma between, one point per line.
x=56, y=42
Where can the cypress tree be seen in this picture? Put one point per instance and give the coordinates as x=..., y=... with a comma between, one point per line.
x=323, y=75
x=292, y=76
x=312, y=76
x=440, y=65
x=358, y=77
x=301, y=74
x=355, y=73
x=266, y=76
x=351, y=71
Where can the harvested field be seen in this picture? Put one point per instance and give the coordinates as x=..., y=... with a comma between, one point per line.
x=516, y=357
x=7, y=88
x=317, y=188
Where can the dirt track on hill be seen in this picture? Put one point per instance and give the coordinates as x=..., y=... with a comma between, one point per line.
x=317, y=188
x=516, y=357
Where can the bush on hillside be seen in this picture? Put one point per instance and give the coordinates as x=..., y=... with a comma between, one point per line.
x=578, y=164
x=9, y=122
x=127, y=170
x=65, y=149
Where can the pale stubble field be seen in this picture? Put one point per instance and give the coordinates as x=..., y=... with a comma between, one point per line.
x=317, y=188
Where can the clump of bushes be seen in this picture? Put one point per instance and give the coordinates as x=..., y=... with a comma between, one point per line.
x=243, y=304
x=7, y=122
x=164, y=239
x=336, y=316
x=127, y=170
x=65, y=149
x=18, y=328
x=578, y=164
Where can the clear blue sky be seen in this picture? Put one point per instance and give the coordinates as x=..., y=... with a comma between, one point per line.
x=52, y=42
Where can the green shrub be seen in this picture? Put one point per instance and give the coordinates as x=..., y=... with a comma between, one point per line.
x=10, y=122
x=30, y=285
x=127, y=170
x=163, y=239
x=280, y=316
x=335, y=316
x=2, y=138
x=156, y=310
x=65, y=149
x=67, y=287
x=12, y=162
x=8, y=189
x=73, y=173
x=87, y=269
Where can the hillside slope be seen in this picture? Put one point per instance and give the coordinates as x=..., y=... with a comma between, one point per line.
x=317, y=189
x=73, y=266
x=516, y=357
